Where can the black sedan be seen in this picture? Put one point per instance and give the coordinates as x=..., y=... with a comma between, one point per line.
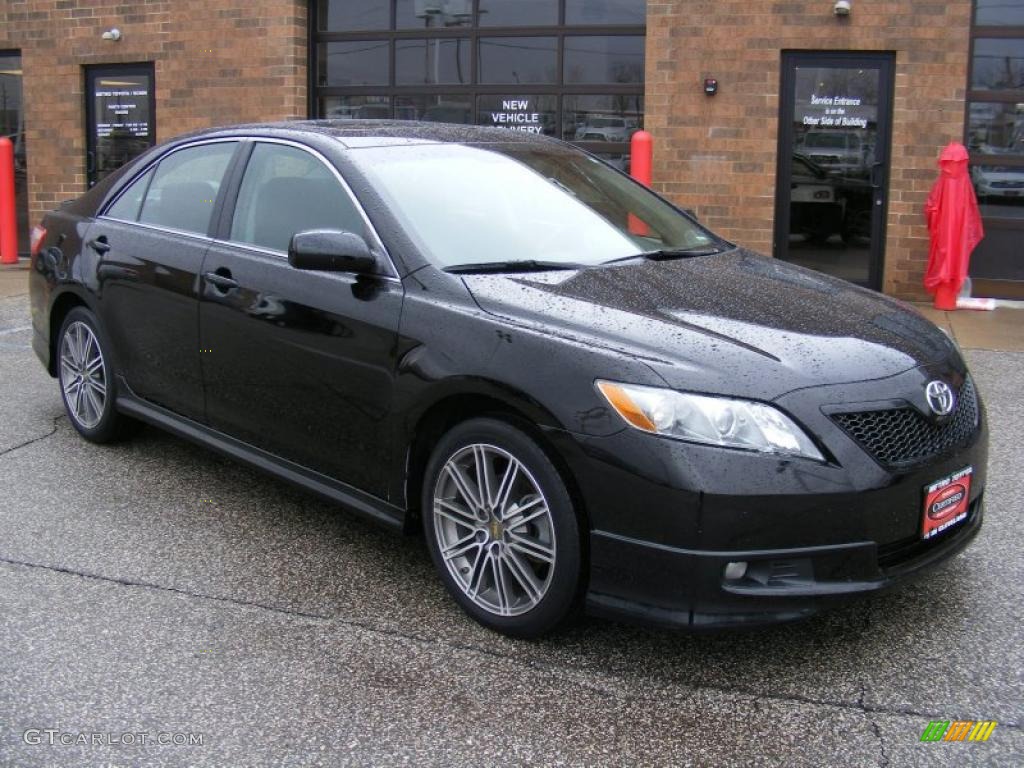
x=584, y=397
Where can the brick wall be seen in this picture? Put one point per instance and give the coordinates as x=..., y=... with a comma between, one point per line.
x=216, y=62
x=717, y=155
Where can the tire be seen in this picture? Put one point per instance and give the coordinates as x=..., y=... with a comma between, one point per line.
x=82, y=349
x=513, y=563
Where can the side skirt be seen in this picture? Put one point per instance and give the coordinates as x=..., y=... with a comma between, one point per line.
x=364, y=504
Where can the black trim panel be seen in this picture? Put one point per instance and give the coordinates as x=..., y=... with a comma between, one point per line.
x=364, y=504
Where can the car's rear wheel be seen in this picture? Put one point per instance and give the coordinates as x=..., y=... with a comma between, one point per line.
x=501, y=528
x=86, y=378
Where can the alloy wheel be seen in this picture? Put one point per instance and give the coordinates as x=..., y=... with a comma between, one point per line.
x=494, y=529
x=83, y=375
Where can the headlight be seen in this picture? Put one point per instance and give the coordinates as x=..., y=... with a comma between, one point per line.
x=712, y=420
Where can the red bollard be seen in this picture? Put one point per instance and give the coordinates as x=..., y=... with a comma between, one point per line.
x=945, y=296
x=8, y=219
x=641, y=153
x=641, y=156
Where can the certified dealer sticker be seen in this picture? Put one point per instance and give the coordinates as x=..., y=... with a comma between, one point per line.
x=946, y=502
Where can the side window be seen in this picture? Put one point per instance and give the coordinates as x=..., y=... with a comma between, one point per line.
x=185, y=187
x=127, y=205
x=287, y=190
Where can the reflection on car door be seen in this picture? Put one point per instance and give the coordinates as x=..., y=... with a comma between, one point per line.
x=297, y=363
x=150, y=246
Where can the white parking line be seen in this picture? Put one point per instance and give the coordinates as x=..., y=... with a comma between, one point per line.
x=19, y=329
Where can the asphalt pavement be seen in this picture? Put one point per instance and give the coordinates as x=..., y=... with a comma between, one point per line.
x=154, y=591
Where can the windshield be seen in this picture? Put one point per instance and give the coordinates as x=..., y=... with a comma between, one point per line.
x=466, y=204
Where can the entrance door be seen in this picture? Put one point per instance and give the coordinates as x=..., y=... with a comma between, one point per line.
x=119, y=112
x=833, y=168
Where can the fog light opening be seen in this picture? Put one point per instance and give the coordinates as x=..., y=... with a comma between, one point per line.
x=736, y=570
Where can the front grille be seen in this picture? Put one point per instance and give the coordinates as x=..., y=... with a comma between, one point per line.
x=898, y=437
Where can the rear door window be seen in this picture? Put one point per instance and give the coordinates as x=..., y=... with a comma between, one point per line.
x=185, y=187
x=127, y=206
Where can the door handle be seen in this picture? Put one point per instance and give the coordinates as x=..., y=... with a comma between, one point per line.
x=99, y=244
x=876, y=175
x=221, y=279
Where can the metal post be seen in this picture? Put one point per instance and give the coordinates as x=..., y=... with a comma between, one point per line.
x=641, y=157
x=8, y=219
x=641, y=151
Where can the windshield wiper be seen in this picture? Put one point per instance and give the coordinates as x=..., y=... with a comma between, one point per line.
x=525, y=265
x=663, y=254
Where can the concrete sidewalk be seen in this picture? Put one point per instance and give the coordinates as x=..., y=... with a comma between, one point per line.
x=1000, y=330
x=13, y=279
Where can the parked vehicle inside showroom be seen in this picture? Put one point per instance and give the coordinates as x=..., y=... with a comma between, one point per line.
x=605, y=128
x=840, y=151
x=823, y=204
x=998, y=183
x=581, y=396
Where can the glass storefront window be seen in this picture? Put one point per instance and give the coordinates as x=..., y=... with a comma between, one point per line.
x=530, y=114
x=995, y=128
x=353, y=63
x=432, y=14
x=12, y=125
x=538, y=66
x=445, y=108
x=998, y=13
x=518, y=13
x=518, y=60
x=605, y=59
x=998, y=64
x=602, y=118
x=355, y=107
x=605, y=12
x=432, y=61
x=995, y=138
x=1000, y=189
x=352, y=15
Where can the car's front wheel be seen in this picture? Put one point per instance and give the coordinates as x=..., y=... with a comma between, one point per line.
x=501, y=528
x=86, y=378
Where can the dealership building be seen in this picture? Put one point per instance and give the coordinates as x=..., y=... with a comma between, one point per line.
x=804, y=129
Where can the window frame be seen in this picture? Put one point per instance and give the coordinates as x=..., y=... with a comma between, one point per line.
x=994, y=222
x=996, y=96
x=472, y=90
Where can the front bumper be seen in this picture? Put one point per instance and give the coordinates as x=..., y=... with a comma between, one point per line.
x=666, y=517
x=779, y=585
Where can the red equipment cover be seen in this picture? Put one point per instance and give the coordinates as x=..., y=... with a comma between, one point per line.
x=954, y=222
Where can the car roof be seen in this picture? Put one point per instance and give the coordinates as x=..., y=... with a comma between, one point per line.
x=395, y=131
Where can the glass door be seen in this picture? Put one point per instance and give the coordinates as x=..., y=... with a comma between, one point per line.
x=119, y=109
x=833, y=165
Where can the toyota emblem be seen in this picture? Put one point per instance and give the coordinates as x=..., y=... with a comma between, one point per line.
x=940, y=397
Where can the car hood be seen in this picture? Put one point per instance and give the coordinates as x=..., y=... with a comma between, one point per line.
x=733, y=323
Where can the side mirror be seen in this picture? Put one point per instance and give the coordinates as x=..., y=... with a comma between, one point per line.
x=330, y=250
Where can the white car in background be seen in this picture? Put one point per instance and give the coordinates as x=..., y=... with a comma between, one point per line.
x=997, y=181
x=602, y=128
x=839, y=152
